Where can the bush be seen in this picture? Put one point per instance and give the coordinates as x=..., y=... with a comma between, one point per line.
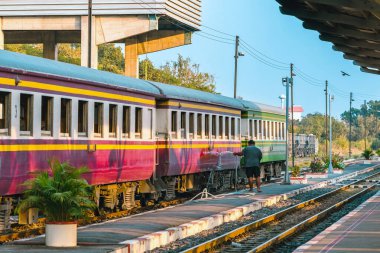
x=375, y=144
x=368, y=153
x=317, y=165
x=295, y=171
x=378, y=152
x=337, y=162
x=64, y=196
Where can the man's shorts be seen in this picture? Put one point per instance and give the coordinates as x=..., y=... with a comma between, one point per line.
x=252, y=171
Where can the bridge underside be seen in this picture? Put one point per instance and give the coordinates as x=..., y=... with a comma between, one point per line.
x=353, y=26
x=141, y=34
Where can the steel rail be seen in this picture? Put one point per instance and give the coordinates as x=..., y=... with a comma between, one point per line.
x=259, y=223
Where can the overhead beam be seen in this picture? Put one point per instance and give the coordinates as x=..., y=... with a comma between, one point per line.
x=366, y=65
x=341, y=31
x=365, y=5
x=352, y=42
x=368, y=60
x=36, y=37
x=359, y=51
x=371, y=71
x=327, y=16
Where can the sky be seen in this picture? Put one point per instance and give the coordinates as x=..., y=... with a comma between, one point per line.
x=260, y=24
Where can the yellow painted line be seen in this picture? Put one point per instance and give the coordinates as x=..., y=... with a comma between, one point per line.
x=202, y=107
x=76, y=147
x=76, y=91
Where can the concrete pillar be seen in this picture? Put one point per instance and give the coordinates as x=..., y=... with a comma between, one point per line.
x=131, y=58
x=84, y=43
x=1, y=34
x=50, y=45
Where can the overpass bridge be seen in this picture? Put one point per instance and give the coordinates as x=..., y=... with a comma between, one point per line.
x=144, y=26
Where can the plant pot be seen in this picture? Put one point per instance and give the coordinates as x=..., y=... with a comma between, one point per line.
x=298, y=180
x=61, y=234
x=316, y=175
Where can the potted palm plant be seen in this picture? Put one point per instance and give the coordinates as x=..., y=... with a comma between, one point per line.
x=63, y=197
x=295, y=176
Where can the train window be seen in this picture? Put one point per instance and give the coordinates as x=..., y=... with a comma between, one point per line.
x=82, y=118
x=199, y=126
x=255, y=129
x=65, y=116
x=220, y=127
x=250, y=129
x=5, y=100
x=138, y=122
x=150, y=116
x=227, y=127
x=98, y=119
x=283, y=131
x=26, y=114
x=207, y=126
x=238, y=128
x=46, y=115
x=260, y=130
x=191, y=125
x=126, y=121
x=233, y=127
x=264, y=129
x=174, y=125
x=183, y=125
x=272, y=129
x=213, y=126
x=112, y=120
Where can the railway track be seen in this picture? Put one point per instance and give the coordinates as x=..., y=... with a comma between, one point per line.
x=261, y=235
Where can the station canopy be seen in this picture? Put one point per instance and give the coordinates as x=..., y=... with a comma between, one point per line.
x=353, y=26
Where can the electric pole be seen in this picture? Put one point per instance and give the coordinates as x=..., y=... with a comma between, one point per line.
x=292, y=106
x=350, y=134
x=365, y=124
x=326, y=115
x=89, y=32
x=236, y=63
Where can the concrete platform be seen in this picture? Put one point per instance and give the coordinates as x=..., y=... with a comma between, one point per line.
x=359, y=231
x=146, y=231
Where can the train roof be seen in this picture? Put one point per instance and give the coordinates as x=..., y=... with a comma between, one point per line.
x=46, y=67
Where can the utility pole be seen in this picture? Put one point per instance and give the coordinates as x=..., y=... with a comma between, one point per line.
x=286, y=83
x=365, y=124
x=330, y=169
x=89, y=32
x=326, y=115
x=292, y=106
x=236, y=63
x=350, y=135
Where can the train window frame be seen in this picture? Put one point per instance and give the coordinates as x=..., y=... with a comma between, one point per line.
x=220, y=123
x=199, y=125
x=227, y=132
x=112, y=120
x=98, y=119
x=150, y=117
x=28, y=131
x=139, y=114
x=213, y=126
x=191, y=125
x=5, y=113
x=207, y=126
x=68, y=114
x=233, y=128
x=47, y=111
x=126, y=122
x=82, y=118
x=174, y=124
x=183, y=120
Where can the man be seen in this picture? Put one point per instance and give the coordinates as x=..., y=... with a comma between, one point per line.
x=252, y=156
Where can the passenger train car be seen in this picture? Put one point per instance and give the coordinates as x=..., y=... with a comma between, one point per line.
x=138, y=138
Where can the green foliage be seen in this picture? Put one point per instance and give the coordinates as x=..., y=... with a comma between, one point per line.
x=337, y=162
x=295, y=171
x=368, y=153
x=29, y=49
x=375, y=144
x=181, y=72
x=69, y=53
x=111, y=58
x=378, y=152
x=64, y=196
x=317, y=165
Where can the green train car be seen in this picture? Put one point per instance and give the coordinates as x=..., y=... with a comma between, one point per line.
x=266, y=126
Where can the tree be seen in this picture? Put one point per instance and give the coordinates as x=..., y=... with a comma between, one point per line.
x=181, y=72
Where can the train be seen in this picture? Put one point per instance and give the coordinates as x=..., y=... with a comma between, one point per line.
x=139, y=139
x=305, y=145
